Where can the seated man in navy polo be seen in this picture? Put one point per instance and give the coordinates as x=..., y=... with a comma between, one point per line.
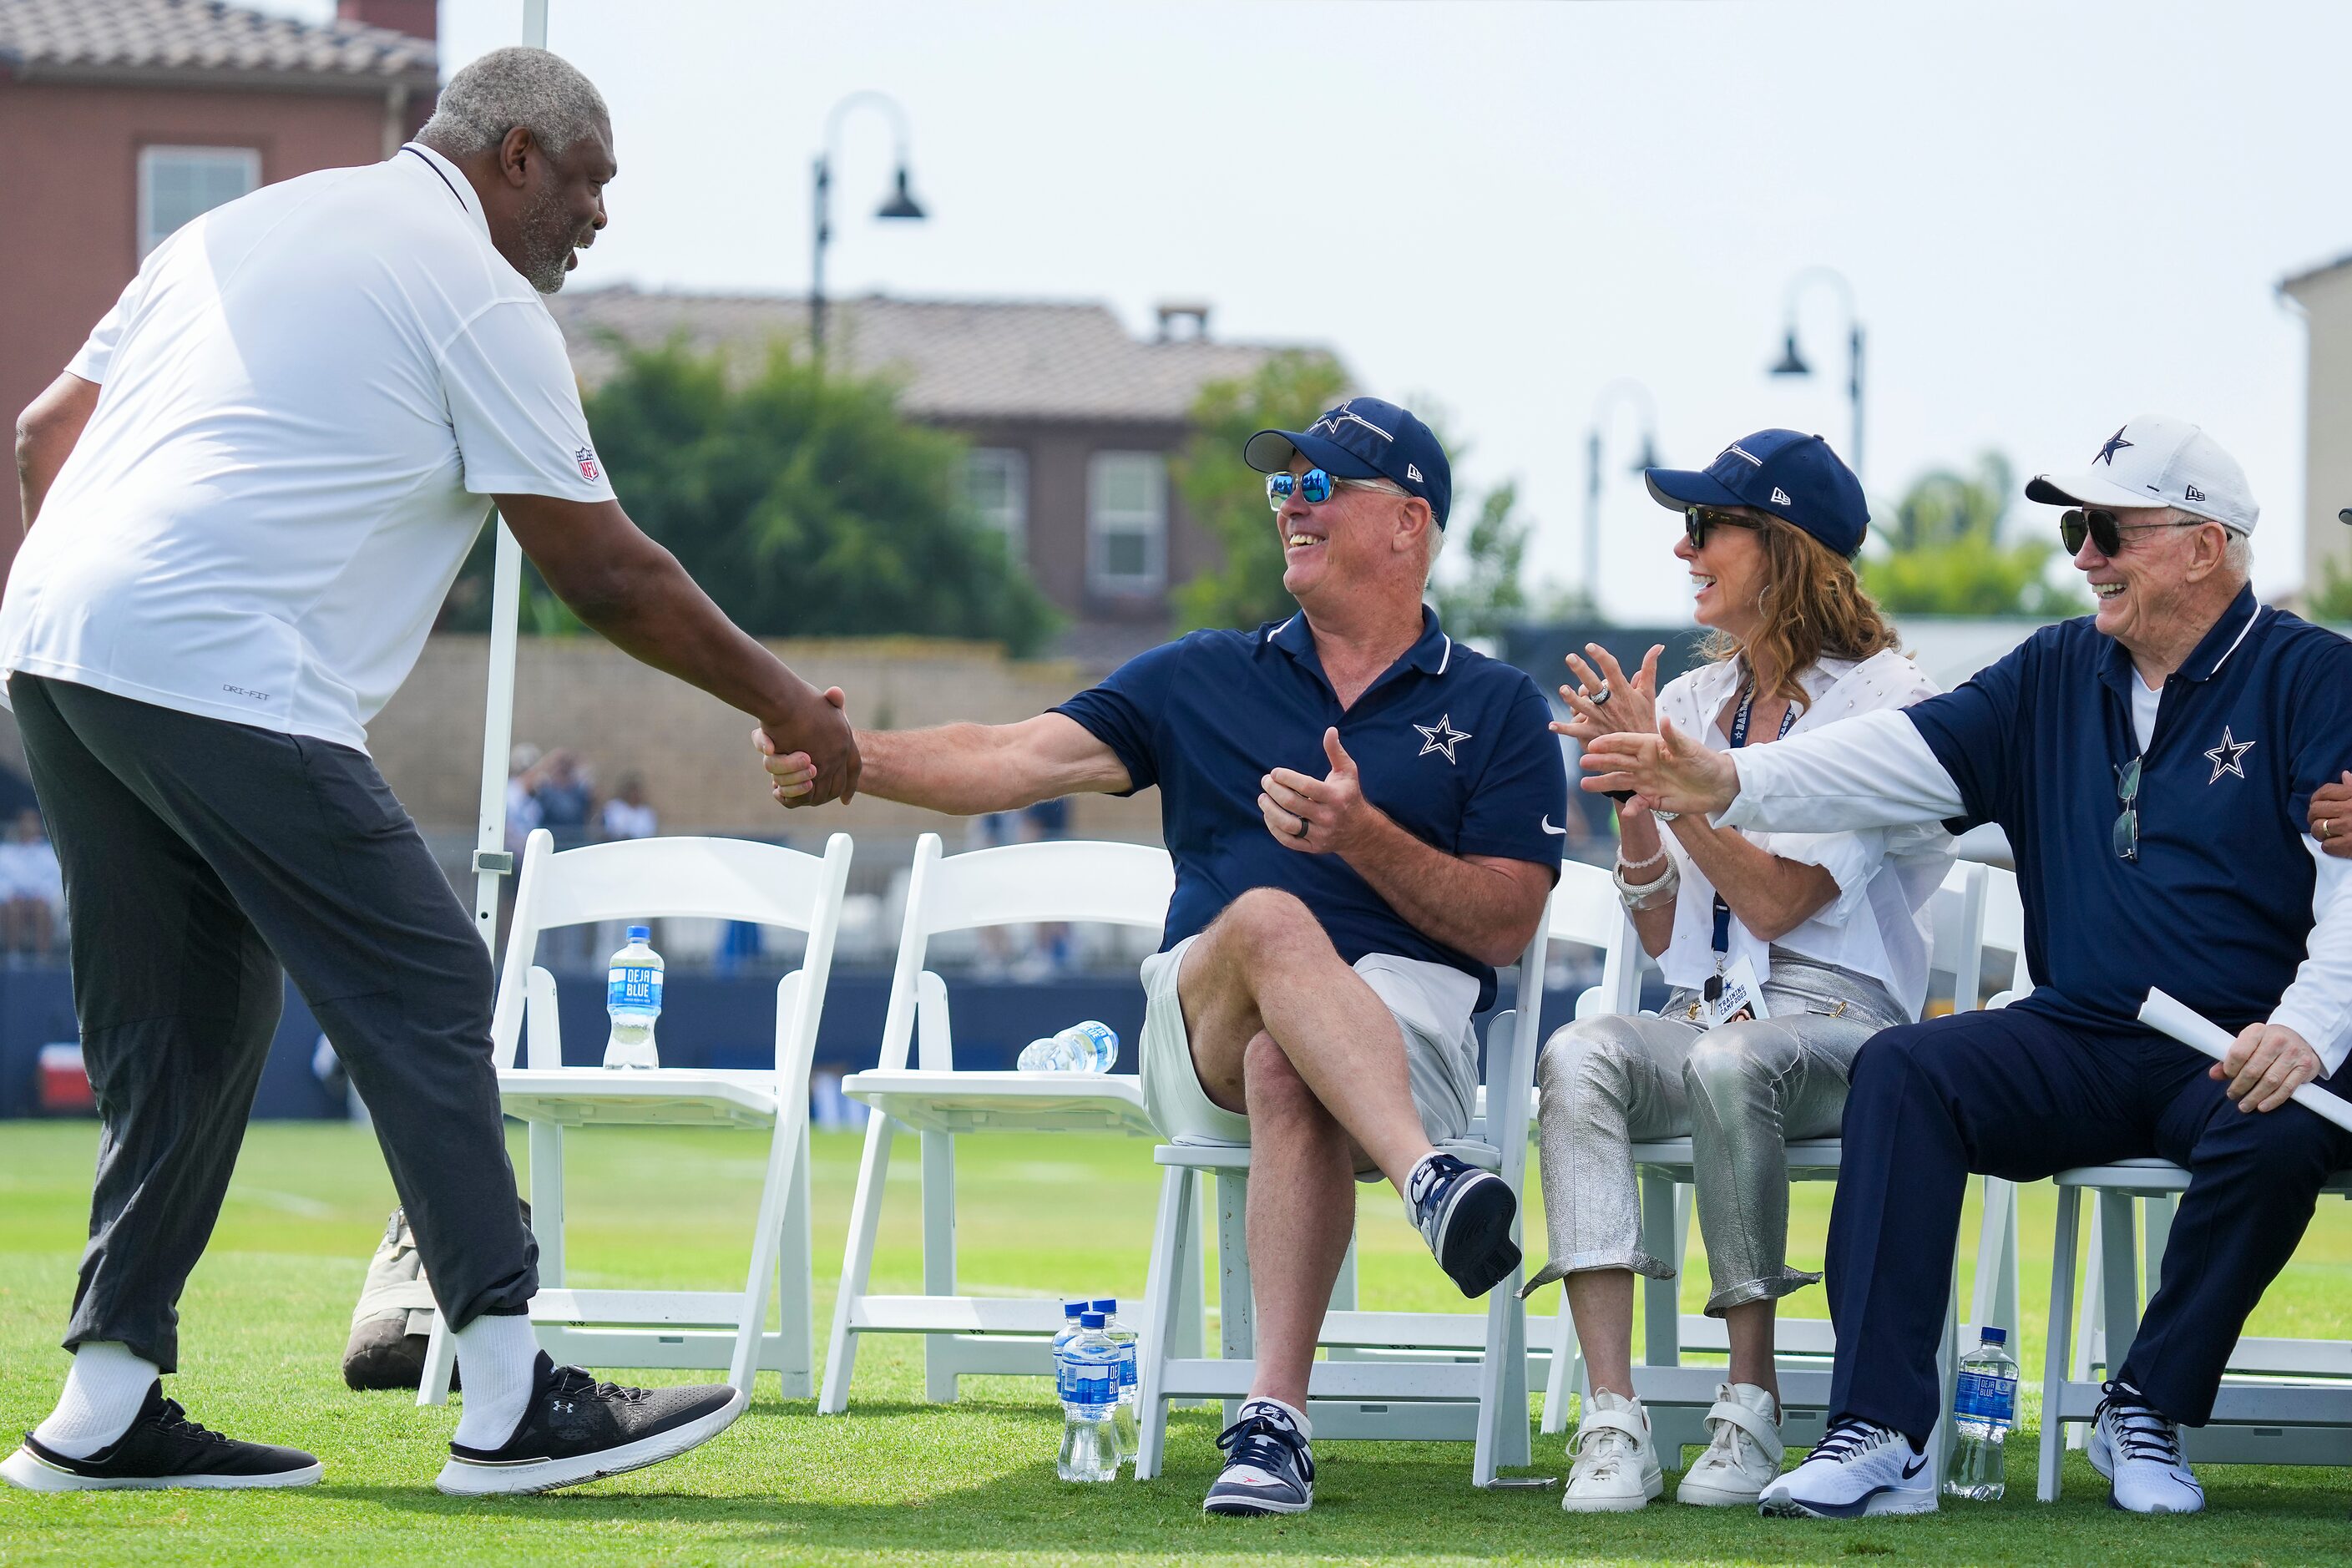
x=1360, y=811
x=2152, y=765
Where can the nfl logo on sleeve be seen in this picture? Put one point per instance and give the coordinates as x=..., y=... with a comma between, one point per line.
x=587, y=455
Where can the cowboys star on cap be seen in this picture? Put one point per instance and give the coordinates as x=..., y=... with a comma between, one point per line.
x=2114, y=444
x=2225, y=756
x=1441, y=736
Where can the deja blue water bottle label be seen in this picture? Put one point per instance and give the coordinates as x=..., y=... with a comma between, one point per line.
x=1981, y=1398
x=634, y=987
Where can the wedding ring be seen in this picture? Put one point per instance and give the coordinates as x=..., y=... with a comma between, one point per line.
x=1302, y=828
x=1601, y=698
x=2327, y=824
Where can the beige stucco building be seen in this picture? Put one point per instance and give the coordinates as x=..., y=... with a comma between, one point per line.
x=2324, y=297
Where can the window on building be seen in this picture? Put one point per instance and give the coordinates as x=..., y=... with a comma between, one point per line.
x=996, y=479
x=1127, y=523
x=177, y=184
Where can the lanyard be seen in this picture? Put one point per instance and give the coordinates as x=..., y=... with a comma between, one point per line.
x=1723, y=911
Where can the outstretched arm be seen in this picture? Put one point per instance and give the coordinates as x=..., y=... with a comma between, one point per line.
x=1874, y=770
x=966, y=769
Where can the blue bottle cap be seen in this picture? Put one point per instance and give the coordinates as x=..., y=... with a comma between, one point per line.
x=1995, y=1336
x=1106, y=1305
x=1090, y=1319
x=641, y=933
x=1072, y=1309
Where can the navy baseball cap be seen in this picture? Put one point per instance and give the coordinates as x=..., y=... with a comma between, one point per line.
x=1363, y=438
x=1796, y=477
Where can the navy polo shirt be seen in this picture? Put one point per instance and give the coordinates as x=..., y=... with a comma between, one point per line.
x=2217, y=908
x=1449, y=744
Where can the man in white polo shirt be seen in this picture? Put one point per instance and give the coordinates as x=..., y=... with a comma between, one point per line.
x=248, y=497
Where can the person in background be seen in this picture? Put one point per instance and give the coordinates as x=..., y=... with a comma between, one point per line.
x=626, y=814
x=1827, y=928
x=566, y=795
x=32, y=885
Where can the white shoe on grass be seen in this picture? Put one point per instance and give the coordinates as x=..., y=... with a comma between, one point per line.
x=1860, y=1469
x=2139, y=1451
x=1616, y=1465
x=1743, y=1456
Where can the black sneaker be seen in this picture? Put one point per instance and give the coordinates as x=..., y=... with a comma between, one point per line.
x=1464, y=1213
x=576, y=1430
x=1268, y=1468
x=163, y=1449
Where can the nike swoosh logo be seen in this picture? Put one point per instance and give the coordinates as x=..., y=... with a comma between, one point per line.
x=1555, y=832
x=1914, y=1467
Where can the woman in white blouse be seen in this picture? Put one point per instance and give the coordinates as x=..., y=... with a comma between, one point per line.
x=1783, y=952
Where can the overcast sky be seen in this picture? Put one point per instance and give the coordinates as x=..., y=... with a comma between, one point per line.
x=2053, y=215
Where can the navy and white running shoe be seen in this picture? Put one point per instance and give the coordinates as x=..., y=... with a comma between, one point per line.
x=163, y=1449
x=1268, y=1468
x=1464, y=1214
x=1859, y=1469
x=2139, y=1450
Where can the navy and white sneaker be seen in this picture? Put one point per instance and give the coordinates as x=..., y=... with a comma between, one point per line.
x=576, y=1430
x=162, y=1448
x=2139, y=1453
x=1859, y=1469
x=1464, y=1214
x=1268, y=1468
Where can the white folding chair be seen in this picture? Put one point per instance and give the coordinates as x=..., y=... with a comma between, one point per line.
x=1419, y=1375
x=1677, y=1397
x=725, y=878
x=1073, y=880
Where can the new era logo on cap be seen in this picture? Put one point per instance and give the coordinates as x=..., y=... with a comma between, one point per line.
x=2153, y=461
x=1780, y=497
x=1412, y=473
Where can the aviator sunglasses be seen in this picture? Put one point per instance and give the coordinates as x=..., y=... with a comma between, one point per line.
x=1314, y=487
x=2097, y=524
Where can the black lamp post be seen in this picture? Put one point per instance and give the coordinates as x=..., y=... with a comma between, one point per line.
x=899, y=204
x=1792, y=362
x=1624, y=388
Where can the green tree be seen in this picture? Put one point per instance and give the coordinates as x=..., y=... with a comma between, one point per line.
x=1482, y=594
x=1227, y=499
x=2332, y=601
x=1944, y=554
x=801, y=501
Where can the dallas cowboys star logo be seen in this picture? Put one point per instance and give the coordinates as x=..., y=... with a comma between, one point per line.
x=2224, y=757
x=1441, y=736
x=2115, y=443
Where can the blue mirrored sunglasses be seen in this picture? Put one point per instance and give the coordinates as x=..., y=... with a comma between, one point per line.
x=1314, y=487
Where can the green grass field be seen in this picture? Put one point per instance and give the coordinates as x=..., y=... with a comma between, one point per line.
x=898, y=1481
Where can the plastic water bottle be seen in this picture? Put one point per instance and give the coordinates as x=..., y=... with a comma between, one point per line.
x=632, y=995
x=1122, y=1339
x=1070, y=1310
x=1984, y=1407
x=1089, y=1405
x=1090, y=1047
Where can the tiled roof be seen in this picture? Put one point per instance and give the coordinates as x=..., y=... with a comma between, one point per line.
x=959, y=360
x=197, y=37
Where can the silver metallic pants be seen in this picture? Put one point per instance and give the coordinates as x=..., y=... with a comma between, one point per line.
x=1739, y=1093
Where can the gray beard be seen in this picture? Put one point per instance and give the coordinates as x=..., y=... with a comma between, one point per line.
x=546, y=242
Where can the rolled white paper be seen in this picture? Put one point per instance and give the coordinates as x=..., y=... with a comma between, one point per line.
x=2167, y=1017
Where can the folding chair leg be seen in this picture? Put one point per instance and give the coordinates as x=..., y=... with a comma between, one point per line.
x=1502, y=1430
x=1236, y=1325
x=2061, y=1350
x=547, y=1199
x=786, y=1151
x=2119, y=1285
x=857, y=1265
x=1559, y=1380
x=1173, y=1277
x=1661, y=1236
x=938, y=1259
x=440, y=1364
x=795, y=1285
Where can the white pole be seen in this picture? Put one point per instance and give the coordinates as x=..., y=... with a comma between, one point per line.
x=491, y=859
x=2167, y=1017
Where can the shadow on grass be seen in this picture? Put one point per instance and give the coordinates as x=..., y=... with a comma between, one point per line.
x=1394, y=1500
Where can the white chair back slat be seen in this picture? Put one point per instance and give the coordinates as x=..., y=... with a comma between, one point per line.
x=2004, y=923
x=1955, y=915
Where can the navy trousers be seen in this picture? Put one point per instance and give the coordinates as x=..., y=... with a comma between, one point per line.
x=2018, y=1094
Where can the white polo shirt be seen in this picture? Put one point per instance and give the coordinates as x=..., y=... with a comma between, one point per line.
x=307, y=396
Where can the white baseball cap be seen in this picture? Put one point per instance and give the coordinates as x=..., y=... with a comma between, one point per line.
x=2155, y=461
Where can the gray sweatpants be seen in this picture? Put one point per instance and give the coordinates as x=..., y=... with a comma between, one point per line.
x=198, y=857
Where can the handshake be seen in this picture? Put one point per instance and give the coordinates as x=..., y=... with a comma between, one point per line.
x=809, y=753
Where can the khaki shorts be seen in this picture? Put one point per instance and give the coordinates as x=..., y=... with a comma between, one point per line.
x=1440, y=1052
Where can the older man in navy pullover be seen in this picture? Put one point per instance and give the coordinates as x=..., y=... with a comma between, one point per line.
x=2152, y=766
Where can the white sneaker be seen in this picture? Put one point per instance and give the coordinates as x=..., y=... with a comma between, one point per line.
x=1616, y=1468
x=1859, y=1469
x=2139, y=1453
x=1744, y=1455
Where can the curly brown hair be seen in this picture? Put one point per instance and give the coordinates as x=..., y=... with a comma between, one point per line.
x=1813, y=607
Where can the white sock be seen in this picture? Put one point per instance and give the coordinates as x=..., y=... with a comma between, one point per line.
x=102, y=1396
x=1297, y=1416
x=498, y=1359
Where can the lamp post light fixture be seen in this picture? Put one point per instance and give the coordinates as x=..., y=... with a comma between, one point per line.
x=1623, y=389
x=899, y=204
x=1792, y=362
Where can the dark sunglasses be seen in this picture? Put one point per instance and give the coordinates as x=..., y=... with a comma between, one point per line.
x=2097, y=524
x=2127, y=829
x=1698, y=520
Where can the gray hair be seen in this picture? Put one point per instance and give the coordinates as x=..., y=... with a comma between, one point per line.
x=544, y=93
x=2237, y=548
x=1436, y=535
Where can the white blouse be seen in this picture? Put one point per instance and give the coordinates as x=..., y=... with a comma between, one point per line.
x=1878, y=924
